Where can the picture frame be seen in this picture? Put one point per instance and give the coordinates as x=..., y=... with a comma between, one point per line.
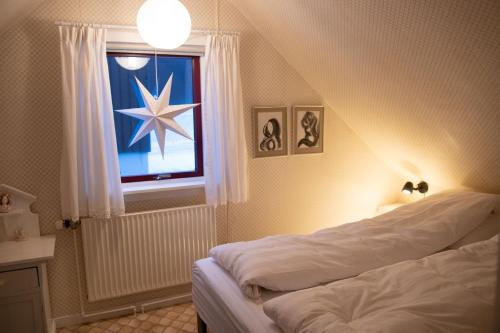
x=270, y=131
x=307, y=129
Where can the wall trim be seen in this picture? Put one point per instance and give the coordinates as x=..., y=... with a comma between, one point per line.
x=82, y=318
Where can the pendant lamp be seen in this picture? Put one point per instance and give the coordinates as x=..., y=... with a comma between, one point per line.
x=132, y=63
x=164, y=24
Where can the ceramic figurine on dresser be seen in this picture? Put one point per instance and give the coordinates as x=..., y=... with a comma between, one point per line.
x=24, y=291
x=5, y=203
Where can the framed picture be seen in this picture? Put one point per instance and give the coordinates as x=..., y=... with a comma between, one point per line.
x=270, y=131
x=307, y=129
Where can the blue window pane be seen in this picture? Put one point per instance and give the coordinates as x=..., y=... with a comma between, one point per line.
x=144, y=157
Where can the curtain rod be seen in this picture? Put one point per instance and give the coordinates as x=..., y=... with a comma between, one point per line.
x=134, y=28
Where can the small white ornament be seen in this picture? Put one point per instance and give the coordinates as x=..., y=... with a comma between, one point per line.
x=157, y=115
x=21, y=235
x=5, y=203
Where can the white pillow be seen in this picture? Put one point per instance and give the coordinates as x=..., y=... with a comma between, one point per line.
x=489, y=228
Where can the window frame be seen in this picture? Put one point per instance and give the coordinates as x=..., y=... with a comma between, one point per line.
x=197, y=120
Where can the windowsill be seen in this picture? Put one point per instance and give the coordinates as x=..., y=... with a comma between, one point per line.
x=142, y=190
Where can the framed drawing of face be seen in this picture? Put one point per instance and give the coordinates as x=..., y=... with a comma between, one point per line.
x=307, y=129
x=270, y=131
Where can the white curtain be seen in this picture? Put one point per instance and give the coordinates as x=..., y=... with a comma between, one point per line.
x=225, y=157
x=90, y=176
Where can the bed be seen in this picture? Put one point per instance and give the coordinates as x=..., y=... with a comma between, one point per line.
x=224, y=305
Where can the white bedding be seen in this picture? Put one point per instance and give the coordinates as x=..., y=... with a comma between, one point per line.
x=286, y=263
x=223, y=307
x=452, y=291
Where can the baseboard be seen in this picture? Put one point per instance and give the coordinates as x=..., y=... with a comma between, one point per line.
x=81, y=318
x=164, y=302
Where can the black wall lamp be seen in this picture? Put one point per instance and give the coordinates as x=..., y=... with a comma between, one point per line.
x=422, y=187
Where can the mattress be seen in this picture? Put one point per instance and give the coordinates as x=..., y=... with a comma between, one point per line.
x=223, y=307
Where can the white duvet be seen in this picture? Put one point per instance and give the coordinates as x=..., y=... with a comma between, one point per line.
x=452, y=291
x=285, y=263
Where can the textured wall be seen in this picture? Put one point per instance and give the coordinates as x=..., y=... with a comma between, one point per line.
x=288, y=194
x=13, y=9
x=417, y=80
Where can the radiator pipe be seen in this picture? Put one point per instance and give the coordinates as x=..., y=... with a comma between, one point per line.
x=79, y=279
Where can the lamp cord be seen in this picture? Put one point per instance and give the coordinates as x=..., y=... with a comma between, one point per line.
x=227, y=223
x=156, y=73
x=217, y=14
x=80, y=10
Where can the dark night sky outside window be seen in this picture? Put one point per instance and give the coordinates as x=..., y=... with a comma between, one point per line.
x=142, y=161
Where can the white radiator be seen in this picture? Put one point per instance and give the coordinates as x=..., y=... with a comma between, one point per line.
x=145, y=251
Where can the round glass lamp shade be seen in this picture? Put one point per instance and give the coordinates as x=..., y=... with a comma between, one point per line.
x=164, y=24
x=132, y=63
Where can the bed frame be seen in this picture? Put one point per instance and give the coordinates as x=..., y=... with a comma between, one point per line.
x=202, y=326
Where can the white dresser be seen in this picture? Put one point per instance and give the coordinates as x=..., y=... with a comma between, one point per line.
x=24, y=293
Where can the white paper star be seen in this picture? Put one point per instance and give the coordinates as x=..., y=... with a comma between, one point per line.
x=157, y=115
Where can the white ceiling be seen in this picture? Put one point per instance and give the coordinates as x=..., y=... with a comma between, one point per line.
x=417, y=80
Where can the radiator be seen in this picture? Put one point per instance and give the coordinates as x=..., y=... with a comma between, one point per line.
x=145, y=251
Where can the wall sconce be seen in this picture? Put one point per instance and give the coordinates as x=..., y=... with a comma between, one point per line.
x=422, y=187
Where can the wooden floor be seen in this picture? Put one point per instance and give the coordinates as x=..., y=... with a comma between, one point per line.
x=175, y=319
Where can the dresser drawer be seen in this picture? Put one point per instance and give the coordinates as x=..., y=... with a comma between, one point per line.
x=18, y=281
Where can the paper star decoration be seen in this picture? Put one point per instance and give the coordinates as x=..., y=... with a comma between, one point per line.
x=157, y=115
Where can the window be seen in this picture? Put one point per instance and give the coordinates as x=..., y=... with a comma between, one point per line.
x=143, y=161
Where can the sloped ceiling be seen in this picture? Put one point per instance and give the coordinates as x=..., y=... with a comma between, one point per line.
x=417, y=80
